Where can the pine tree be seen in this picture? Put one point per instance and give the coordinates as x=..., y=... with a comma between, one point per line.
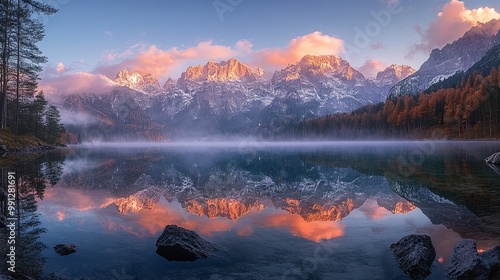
x=38, y=108
x=20, y=56
x=53, y=125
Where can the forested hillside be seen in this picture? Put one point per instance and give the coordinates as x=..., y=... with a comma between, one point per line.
x=468, y=109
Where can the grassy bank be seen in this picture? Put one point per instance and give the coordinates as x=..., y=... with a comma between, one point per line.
x=11, y=143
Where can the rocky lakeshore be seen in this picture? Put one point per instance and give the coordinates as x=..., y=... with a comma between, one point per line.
x=415, y=255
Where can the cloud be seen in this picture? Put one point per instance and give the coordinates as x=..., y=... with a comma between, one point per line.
x=314, y=43
x=164, y=63
x=296, y=225
x=74, y=83
x=452, y=22
x=60, y=68
x=371, y=67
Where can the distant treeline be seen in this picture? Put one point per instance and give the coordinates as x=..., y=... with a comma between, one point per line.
x=467, y=109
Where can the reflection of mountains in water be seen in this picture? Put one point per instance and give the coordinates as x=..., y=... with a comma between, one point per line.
x=318, y=187
x=231, y=186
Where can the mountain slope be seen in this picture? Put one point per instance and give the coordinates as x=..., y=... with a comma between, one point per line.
x=457, y=56
x=227, y=98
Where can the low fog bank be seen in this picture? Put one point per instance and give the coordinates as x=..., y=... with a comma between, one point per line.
x=254, y=143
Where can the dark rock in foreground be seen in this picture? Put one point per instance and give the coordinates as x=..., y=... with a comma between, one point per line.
x=179, y=244
x=64, y=250
x=493, y=159
x=415, y=254
x=466, y=262
x=492, y=258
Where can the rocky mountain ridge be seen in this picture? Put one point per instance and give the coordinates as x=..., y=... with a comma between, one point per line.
x=224, y=98
x=452, y=58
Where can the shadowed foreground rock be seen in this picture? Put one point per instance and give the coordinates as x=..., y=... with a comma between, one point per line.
x=492, y=258
x=493, y=159
x=64, y=250
x=415, y=254
x=179, y=244
x=466, y=262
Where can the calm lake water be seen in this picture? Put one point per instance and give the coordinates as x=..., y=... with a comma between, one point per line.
x=297, y=211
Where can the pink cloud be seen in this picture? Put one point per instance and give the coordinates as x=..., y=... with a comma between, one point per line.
x=164, y=63
x=452, y=22
x=74, y=83
x=371, y=67
x=314, y=43
x=60, y=68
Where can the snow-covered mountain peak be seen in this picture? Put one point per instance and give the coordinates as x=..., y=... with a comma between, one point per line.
x=224, y=71
x=144, y=83
x=393, y=74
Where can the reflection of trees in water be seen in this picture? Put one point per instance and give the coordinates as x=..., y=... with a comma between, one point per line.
x=32, y=179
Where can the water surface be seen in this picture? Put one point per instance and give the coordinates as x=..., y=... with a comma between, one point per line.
x=296, y=211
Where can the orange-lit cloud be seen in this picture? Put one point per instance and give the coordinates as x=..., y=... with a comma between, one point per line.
x=163, y=63
x=314, y=43
x=452, y=22
x=371, y=67
x=314, y=231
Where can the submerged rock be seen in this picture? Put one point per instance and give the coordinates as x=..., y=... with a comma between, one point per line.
x=466, y=262
x=415, y=255
x=493, y=159
x=179, y=244
x=65, y=249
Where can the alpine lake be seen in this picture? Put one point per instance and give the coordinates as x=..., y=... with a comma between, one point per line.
x=299, y=210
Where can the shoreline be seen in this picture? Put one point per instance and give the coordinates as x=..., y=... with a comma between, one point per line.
x=11, y=144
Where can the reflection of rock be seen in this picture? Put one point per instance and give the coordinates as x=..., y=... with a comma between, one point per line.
x=222, y=207
x=415, y=254
x=64, y=250
x=145, y=199
x=493, y=159
x=179, y=244
x=466, y=262
x=495, y=168
x=443, y=211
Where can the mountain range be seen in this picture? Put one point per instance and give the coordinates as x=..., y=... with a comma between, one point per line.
x=228, y=98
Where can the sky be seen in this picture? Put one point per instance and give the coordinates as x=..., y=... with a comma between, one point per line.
x=88, y=41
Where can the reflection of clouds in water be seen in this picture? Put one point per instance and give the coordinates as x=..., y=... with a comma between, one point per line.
x=297, y=226
x=373, y=211
x=77, y=165
x=443, y=240
x=61, y=203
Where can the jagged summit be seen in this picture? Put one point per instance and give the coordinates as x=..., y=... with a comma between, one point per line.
x=393, y=74
x=323, y=65
x=144, y=83
x=230, y=70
